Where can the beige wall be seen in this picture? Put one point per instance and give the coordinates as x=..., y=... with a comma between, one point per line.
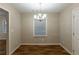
x=66, y=24
x=14, y=26
x=59, y=25
x=66, y=28
x=52, y=29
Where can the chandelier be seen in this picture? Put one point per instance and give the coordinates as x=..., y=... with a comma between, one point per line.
x=39, y=15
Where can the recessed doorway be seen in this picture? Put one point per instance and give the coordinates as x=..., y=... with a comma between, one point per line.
x=4, y=32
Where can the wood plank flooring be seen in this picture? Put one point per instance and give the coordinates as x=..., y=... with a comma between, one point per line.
x=2, y=47
x=40, y=50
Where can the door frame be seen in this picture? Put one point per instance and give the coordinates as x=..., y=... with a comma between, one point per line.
x=72, y=33
x=73, y=17
x=7, y=41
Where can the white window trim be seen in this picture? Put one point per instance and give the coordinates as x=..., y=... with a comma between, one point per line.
x=34, y=29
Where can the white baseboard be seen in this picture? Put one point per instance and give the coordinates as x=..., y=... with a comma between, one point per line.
x=15, y=49
x=65, y=49
x=40, y=43
x=33, y=44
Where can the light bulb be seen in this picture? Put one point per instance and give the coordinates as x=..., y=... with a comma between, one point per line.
x=38, y=17
x=44, y=16
x=35, y=17
x=39, y=14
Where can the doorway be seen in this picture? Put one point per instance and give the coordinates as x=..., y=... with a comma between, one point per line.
x=4, y=32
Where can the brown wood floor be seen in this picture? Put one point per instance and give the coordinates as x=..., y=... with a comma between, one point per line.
x=40, y=50
x=2, y=47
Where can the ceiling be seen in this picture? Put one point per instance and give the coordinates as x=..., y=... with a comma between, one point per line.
x=45, y=7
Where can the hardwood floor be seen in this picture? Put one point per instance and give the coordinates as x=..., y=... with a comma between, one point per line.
x=2, y=47
x=40, y=50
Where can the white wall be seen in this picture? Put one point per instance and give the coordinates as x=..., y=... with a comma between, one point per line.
x=66, y=28
x=14, y=26
x=66, y=24
x=52, y=29
x=58, y=25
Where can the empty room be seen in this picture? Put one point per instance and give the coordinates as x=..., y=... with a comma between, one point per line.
x=39, y=29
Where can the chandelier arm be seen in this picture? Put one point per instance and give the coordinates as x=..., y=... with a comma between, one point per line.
x=39, y=15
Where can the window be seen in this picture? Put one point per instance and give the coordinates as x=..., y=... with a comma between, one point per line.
x=40, y=27
x=3, y=25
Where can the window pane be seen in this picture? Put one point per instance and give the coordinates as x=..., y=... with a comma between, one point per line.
x=40, y=27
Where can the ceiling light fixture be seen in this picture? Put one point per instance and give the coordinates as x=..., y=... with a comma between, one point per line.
x=39, y=15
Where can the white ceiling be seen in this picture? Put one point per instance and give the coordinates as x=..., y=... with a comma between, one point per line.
x=45, y=7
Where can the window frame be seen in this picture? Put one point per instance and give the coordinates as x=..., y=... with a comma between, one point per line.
x=34, y=29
